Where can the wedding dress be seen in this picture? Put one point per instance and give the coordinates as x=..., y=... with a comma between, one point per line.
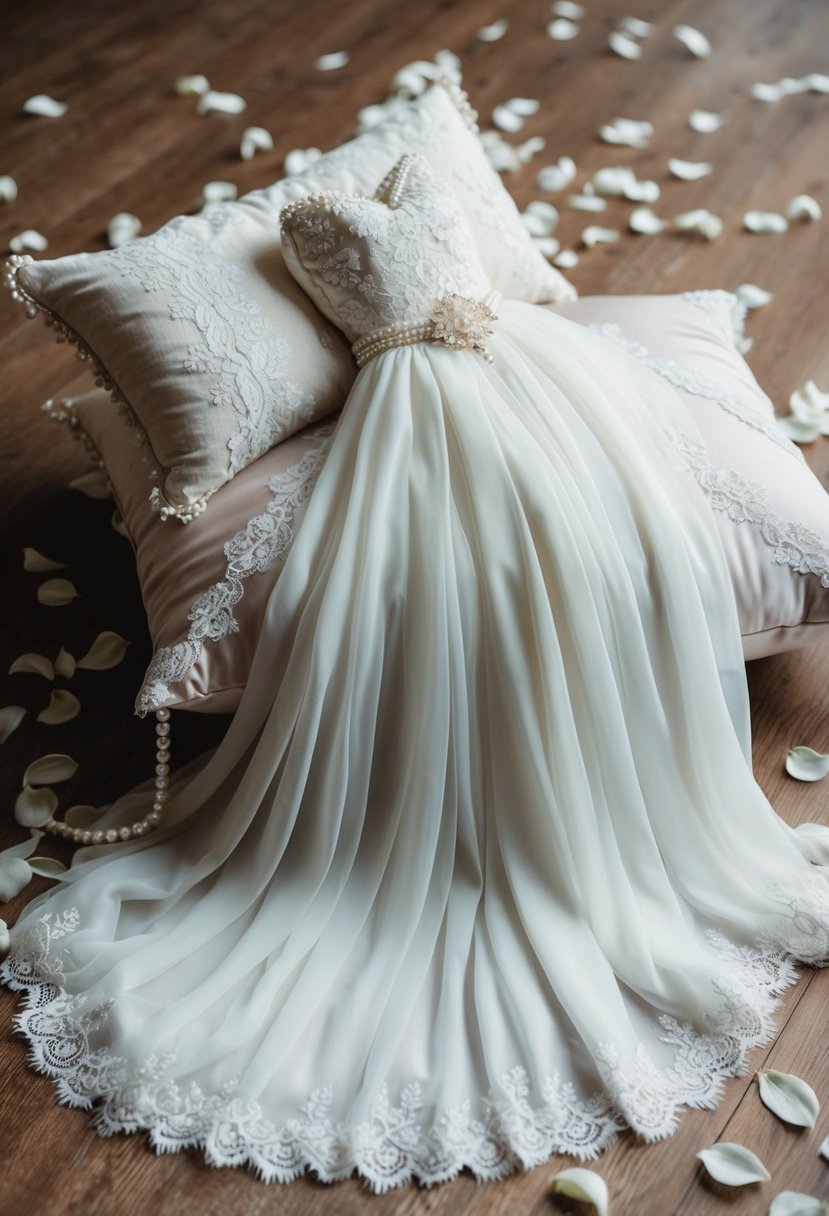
x=480, y=872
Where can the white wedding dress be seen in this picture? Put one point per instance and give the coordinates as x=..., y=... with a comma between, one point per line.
x=480, y=872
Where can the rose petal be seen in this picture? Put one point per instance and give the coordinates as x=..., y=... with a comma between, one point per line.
x=5, y=939
x=524, y=106
x=799, y=431
x=627, y=132
x=700, y=221
x=594, y=235
x=192, y=86
x=50, y=769
x=569, y=9
x=555, y=177
x=642, y=192
x=30, y=238
x=44, y=105
x=804, y=207
x=106, y=651
x=255, y=139
x=733, y=1164
x=805, y=764
x=795, y=1203
x=299, y=159
x=688, y=170
x=562, y=30
x=56, y=592
x=584, y=1185
x=506, y=120
x=635, y=27
x=122, y=228
x=34, y=808
x=622, y=44
x=491, y=33
x=765, y=221
x=8, y=189
x=566, y=260
x=824, y=1149
x=644, y=221
x=64, y=664
x=766, y=92
x=612, y=180
x=15, y=874
x=218, y=192
x=62, y=707
x=586, y=202
x=705, y=121
x=548, y=246
x=332, y=61
x=222, y=103
x=10, y=718
x=92, y=485
x=693, y=40
x=33, y=664
x=46, y=867
x=37, y=563
x=752, y=296
x=788, y=1097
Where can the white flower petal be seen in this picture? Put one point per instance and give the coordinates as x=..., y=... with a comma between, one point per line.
x=56, y=592
x=804, y=207
x=14, y=876
x=752, y=296
x=594, y=235
x=789, y=1097
x=10, y=718
x=332, y=61
x=192, y=86
x=809, y=402
x=693, y=40
x=530, y=148
x=540, y=218
x=733, y=1164
x=5, y=939
x=63, y=707
x=799, y=431
x=644, y=221
x=622, y=44
x=569, y=9
x=688, y=170
x=642, y=192
x=92, y=485
x=299, y=159
x=824, y=1149
x=627, y=132
x=64, y=664
x=449, y=64
x=548, y=246
x=765, y=221
x=122, y=228
x=585, y=1185
x=566, y=260
x=38, y=563
x=586, y=202
x=635, y=27
x=795, y=1203
x=525, y=106
x=805, y=764
x=705, y=121
x=491, y=33
x=562, y=30
x=50, y=769
x=553, y=178
x=700, y=221
x=106, y=651
x=46, y=867
x=44, y=106
x=766, y=92
x=791, y=85
x=218, y=192
x=8, y=189
x=818, y=82
x=30, y=238
x=33, y=664
x=613, y=180
x=255, y=139
x=34, y=808
x=505, y=120
x=222, y=103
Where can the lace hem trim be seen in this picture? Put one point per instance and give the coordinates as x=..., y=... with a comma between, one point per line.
x=262, y=542
x=392, y=1146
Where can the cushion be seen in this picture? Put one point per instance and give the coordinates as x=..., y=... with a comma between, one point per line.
x=206, y=587
x=204, y=340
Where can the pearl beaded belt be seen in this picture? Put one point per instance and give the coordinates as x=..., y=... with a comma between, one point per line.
x=456, y=322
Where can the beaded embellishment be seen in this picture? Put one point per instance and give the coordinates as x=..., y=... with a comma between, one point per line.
x=456, y=322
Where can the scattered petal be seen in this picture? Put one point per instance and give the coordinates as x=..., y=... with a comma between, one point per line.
x=752, y=296
x=64, y=664
x=788, y=1097
x=566, y=260
x=688, y=170
x=642, y=192
x=223, y=103
x=507, y=120
x=47, y=867
x=586, y=202
x=555, y=177
x=701, y=222
x=332, y=61
x=255, y=139
x=106, y=651
x=93, y=485
x=8, y=189
x=733, y=1164
x=56, y=592
x=569, y=9
x=799, y=431
x=805, y=764
x=525, y=106
x=693, y=40
x=540, y=218
x=547, y=245
x=44, y=106
x=14, y=869
x=491, y=33
x=449, y=64
x=62, y=707
x=34, y=808
x=5, y=939
x=49, y=770
x=593, y=235
x=562, y=30
x=795, y=1203
x=644, y=221
x=613, y=180
x=218, y=192
x=626, y=131
x=10, y=718
x=824, y=1149
x=122, y=228
x=765, y=221
x=804, y=207
x=299, y=159
x=33, y=664
x=82, y=816
x=192, y=86
x=810, y=403
x=622, y=44
x=583, y=1184
x=509, y=158
x=818, y=82
x=705, y=121
x=635, y=27
x=28, y=239
x=38, y=563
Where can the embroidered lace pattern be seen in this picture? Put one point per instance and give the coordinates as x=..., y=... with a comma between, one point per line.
x=265, y=540
x=725, y=311
x=513, y=1127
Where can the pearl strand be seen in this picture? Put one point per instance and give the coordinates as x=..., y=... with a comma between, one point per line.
x=389, y=337
x=87, y=836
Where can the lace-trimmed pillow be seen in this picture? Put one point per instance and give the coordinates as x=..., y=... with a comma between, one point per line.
x=206, y=587
x=203, y=338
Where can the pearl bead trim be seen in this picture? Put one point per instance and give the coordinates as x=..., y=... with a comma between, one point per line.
x=87, y=836
x=468, y=333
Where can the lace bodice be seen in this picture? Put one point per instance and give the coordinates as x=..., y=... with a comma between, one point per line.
x=387, y=261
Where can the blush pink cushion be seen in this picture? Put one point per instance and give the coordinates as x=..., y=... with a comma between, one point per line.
x=206, y=586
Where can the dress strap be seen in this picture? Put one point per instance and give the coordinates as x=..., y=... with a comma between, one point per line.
x=456, y=321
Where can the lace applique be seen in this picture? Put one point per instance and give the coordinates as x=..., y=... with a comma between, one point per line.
x=394, y=1144
x=265, y=540
x=693, y=381
x=745, y=501
x=726, y=312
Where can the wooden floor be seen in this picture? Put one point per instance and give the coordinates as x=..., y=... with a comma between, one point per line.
x=128, y=144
